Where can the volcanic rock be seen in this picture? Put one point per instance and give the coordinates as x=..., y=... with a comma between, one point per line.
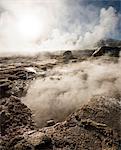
x=67, y=55
x=112, y=51
x=50, y=123
x=4, y=88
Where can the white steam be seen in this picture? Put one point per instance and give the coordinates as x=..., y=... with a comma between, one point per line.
x=33, y=26
x=67, y=87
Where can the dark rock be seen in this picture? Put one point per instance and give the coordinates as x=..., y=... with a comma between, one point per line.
x=4, y=88
x=112, y=51
x=44, y=68
x=34, y=141
x=22, y=75
x=50, y=123
x=67, y=55
x=38, y=140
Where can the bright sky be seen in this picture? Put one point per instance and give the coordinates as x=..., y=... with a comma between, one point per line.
x=29, y=25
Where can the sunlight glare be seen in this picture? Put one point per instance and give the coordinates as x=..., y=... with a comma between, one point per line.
x=30, y=26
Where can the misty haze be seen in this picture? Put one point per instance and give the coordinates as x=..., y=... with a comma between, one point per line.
x=60, y=74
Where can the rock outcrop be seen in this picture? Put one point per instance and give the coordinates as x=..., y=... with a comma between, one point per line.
x=111, y=51
x=67, y=55
x=5, y=88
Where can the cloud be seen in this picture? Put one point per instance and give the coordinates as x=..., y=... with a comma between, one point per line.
x=65, y=25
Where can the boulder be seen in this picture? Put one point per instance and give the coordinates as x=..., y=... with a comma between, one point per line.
x=112, y=51
x=34, y=141
x=67, y=55
x=50, y=122
x=39, y=140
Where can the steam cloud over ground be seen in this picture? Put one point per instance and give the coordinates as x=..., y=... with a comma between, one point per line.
x=60, y=74
x=67, y=87
x=35, y=26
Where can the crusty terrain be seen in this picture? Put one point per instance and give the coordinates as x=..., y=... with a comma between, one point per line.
x=94, y=126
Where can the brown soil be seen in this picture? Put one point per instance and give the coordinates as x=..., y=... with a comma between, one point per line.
x=95, y=126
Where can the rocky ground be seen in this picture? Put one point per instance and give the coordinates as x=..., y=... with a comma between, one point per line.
x=94, y=126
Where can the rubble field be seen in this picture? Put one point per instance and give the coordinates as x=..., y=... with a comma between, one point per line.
x=95, y=125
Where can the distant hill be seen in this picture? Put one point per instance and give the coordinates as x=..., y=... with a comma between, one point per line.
x=109, y=42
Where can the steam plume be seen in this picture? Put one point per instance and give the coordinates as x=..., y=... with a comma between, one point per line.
x=68, y=24
x=68, y=87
